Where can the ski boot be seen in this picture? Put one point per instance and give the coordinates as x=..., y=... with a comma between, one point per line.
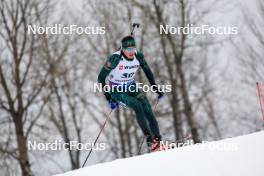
x=156, y=145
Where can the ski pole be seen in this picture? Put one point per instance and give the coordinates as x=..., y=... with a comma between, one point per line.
x=260, y=101
x=155, y=105
x=107, y=118
x=140, y=145
x=133, y=27
x=157, y=101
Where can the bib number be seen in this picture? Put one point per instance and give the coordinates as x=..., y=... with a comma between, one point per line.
x=127, y=75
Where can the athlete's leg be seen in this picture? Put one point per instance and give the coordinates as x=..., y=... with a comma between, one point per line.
x=148, y=113
x=135, y=104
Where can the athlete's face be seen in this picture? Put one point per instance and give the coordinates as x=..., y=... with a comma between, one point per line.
x=130, y=52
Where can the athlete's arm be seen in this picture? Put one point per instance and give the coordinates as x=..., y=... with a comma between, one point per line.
x=149, y=74
x=105, y=70
x=109, y=65
x=146, y=68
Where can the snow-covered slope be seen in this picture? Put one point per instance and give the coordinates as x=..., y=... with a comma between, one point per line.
x=239, y=156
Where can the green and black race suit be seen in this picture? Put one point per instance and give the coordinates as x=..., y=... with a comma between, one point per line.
x=119, y=70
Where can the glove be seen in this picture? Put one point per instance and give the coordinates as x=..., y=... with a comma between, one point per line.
x=112, y=104
x=160, y=93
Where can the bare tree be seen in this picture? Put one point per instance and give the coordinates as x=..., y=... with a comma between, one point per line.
x=251, y=60
x=19, y=85
x=249, y=53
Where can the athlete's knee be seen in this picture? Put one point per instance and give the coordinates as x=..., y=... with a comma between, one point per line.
x=141, y=96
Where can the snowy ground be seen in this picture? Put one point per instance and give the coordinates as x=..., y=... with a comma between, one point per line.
x=239, y=156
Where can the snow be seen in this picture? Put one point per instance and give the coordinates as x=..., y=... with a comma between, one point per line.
x=239, y=156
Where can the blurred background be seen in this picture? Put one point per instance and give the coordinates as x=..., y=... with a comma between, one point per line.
x=44, y=79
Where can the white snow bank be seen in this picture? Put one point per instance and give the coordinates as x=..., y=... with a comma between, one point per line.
x=244, y=159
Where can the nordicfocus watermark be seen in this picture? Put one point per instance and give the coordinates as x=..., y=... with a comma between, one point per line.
x=190, y=29
x=60, y=145
x=215, y=146
x=134, y=87
x=67, y=30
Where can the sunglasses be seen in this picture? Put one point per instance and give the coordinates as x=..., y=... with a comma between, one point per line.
x=130, y=49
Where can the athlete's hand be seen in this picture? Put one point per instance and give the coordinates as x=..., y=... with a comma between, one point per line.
x=112, y=104
x=159, y=92
x=160, y=95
